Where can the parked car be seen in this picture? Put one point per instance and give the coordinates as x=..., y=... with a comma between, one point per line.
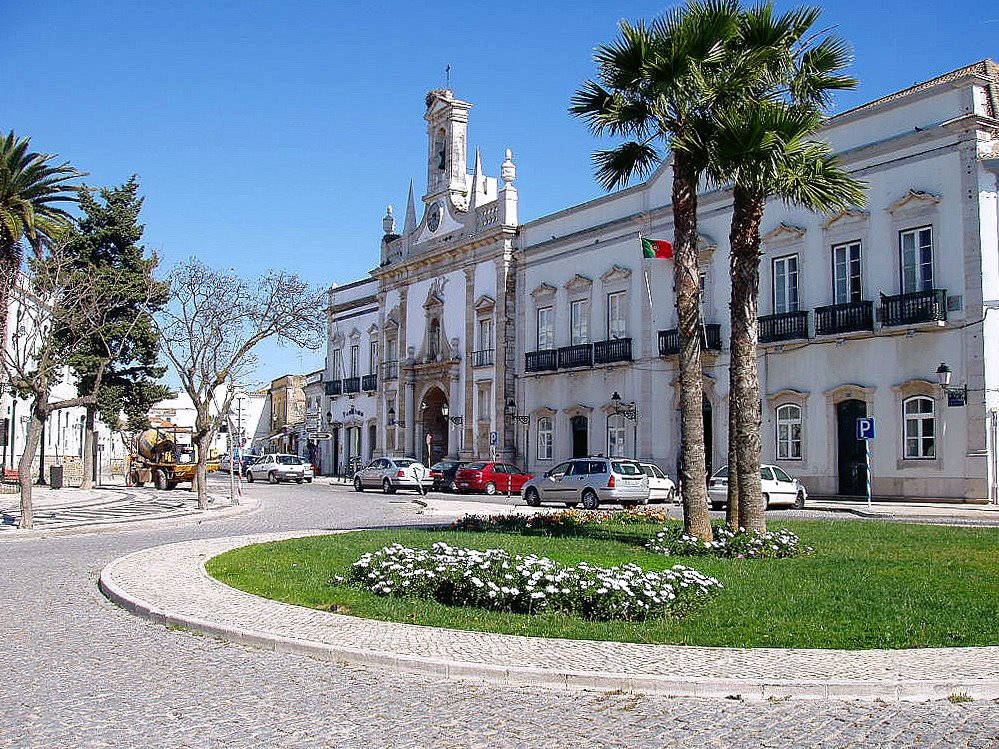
x=245, y=461
x=392, y=474
x=443, y=474
x=491, y=478
x=661, y=486
x=778, y=488
x=278, y=467
x=590, y=482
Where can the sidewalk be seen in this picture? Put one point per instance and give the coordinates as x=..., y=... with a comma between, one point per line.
x=913, y=511
x=168, y=584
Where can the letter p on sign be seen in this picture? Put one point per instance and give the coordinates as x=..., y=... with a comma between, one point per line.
x=865, y=428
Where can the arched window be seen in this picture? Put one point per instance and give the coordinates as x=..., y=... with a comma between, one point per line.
x=920, y=429
x=789, y=432
x=546, y=438
x=615, y=436
x=435, y=339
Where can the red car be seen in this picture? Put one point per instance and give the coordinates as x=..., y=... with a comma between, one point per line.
x=491, y=478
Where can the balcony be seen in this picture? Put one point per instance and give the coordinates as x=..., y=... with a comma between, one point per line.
x=844, y=318
x=669, y=340
x=545, y=360
x=914, y=308
x=606, y=352
x=483, y=358
x=580, y=355
x=390, y=370
x=785, y=326
x=352, y=385
x=369, y=382
x=334, y=387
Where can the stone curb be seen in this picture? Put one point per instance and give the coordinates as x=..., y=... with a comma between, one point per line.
x=252, y=631
x=196, y=517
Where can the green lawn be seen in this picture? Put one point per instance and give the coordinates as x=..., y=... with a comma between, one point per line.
x=868, y=585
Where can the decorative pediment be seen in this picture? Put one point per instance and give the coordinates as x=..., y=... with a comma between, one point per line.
x=485, y=303
x=392, y=319
x=373, y=330
x=435, y=295
x=789, y=395
x=579, y=283
x=337, y=339
x=850, y=391
x=783, y=234
x=705, y=245
x=615, y=274
x=845, y=217
x=914, y=200
x=544, y=291
x=543, y=411
x=355, y=335
x=917, y=387
x=578, y=410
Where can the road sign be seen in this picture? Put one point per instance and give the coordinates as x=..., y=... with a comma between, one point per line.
x=315, y=436
x=865, y=428
x=494, y=438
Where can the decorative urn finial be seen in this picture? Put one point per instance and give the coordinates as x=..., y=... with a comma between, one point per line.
x=388, y=223
x=509, y=170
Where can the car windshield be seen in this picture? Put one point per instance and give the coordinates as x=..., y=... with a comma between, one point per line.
x=404, y=463
x=626, y=469
x=444, y=465
x=781, y=476
x=475, y=466
x=289, y=460
x=721, y=473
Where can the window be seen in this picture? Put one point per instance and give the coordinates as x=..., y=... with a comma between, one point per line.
x=373, y=357
x=615, y=436
x=920, y=432
x=617, y=326
x=789, y=432
x=355, y=357
x=579, y=322
x=766, y=474
x=786, y=284
x=486, y=334
x=546, y=328
x=916, y=249
x=338, y=364
x=546, y=435
x=847, y=286
x=390, y=354
x=434, y=343
x=485, y=399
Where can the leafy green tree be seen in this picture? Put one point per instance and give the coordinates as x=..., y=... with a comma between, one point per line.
x=106, y=246
x=32, y=187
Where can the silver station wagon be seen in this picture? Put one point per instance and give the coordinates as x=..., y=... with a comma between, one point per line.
x=390, y=474
x=590, y=482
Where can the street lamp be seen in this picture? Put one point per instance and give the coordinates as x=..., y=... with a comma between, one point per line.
x=525, y=419
x=943, y=379
x=628, y=411
x=457, y=421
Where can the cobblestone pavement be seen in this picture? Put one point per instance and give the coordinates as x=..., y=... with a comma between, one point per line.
x=81, y=672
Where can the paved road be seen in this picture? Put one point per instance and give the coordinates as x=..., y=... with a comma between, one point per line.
x=80, y=672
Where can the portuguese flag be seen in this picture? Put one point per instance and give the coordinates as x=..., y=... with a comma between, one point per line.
x=659, y=248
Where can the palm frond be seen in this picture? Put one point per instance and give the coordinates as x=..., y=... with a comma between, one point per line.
x=618, y=166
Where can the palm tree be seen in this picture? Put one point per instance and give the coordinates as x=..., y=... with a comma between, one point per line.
x=764, y=149
x=660, y=84
x=31, y=187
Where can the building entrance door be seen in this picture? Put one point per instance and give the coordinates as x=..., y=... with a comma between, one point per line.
x=580, y=436
x=851, y=461
x=434, y=424
x=708, y=435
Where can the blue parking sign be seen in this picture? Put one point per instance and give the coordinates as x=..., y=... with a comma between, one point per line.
x=865, y=428
x=493, y=438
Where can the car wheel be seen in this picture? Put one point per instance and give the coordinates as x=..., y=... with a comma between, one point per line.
x=358, y=486
x=590, y=501
x=799, y=501
x=453, y=487
x=532, y=498
x=299, y=481
x=249, y=477
x=308, y=481
x=272, y=478
x=490, y=488
x=161, y=480
x=387, y=487
x=643, y=501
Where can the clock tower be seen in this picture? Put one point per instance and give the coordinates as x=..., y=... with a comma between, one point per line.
x=447, y=143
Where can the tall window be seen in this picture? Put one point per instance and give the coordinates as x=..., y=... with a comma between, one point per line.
x=617, y=315
x=847, y=286
x=579, y=322
x=485, y=403
x=435, y=339
x=920, y=429
x=546, y=438
x=486, y=334
x=615, y=436
x=338, y=364
x=916, y=248
x=789, y=432
x=390, y=354
x=355, y=360
x=373, y=357
x=546, y=328
x=786, y=284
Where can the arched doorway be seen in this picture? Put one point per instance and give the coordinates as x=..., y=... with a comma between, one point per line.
x=434, y=424
x=580, y=436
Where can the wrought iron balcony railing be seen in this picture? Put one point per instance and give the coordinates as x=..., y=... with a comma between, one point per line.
x=580, y=355
x=618, y=349
x=369, y=382
x=545, y=360
x=844, y=318
x=352, y=385
x=334, y=387
x=669, y=340
x=390, y=370
x=784, y=326
x=483, y=358
x=917, y=307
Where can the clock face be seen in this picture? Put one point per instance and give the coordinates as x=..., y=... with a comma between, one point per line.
x=434, y=217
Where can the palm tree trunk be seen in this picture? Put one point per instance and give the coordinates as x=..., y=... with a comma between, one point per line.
x=26, y=476
x=744, y=239
x=696, y=520
x=10, y=262
x=88, y=449
x=732, y=506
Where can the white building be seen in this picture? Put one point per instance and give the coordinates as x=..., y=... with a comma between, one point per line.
x=542, y=323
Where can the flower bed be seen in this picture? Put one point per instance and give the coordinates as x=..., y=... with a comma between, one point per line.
x=496, y=580
x=779, y=544
x=562, y=520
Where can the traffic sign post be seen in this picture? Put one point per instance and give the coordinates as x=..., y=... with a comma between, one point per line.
x=866, y=432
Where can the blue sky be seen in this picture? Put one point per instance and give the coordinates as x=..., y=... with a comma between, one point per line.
x=274, y=134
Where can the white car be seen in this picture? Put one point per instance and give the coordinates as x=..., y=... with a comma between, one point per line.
x=661, y=487
x=278, y=467
x=778, y=488
x=390, y=474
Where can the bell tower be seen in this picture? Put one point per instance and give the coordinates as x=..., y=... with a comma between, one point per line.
x=447, y=144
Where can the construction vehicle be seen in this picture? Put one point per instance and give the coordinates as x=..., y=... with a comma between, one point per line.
x=159, y=457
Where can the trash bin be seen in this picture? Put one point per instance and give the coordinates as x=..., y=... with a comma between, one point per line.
x=55, y=477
